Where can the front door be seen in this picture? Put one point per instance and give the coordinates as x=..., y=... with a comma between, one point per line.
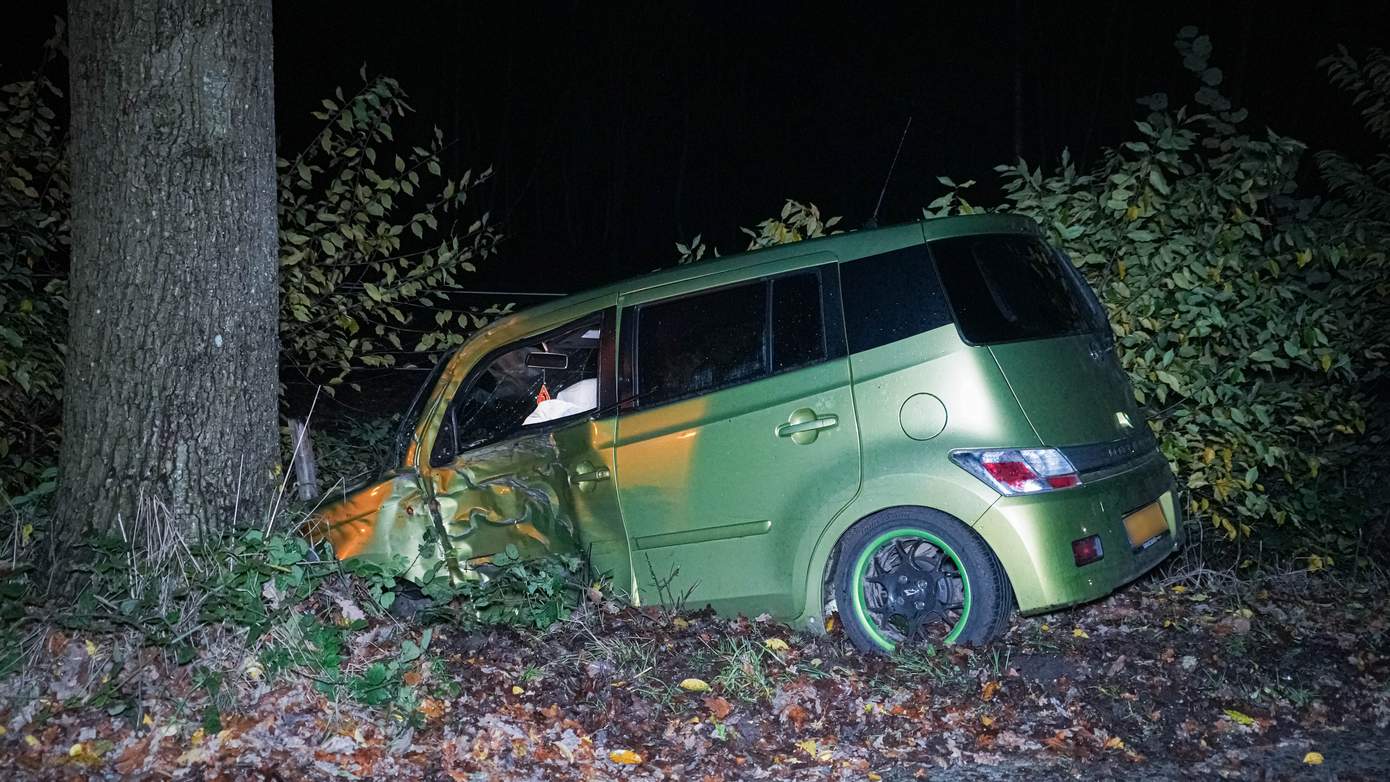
x=741, y=444
x=524, y=453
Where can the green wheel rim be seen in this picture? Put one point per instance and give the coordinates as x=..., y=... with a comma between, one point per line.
x=861, y=603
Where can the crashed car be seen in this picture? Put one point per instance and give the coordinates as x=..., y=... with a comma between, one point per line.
x=919, y=427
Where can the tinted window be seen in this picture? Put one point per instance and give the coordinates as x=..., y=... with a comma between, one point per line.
x=1006, y=288
x=699, y=343
x=890, y=297
x=798, y=329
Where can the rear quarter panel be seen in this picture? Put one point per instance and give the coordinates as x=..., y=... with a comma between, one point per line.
x=901, y=471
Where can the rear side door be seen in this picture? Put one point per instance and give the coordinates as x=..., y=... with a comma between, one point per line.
x=740, y=443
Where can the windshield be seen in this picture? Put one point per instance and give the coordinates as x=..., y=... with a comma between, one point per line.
x=1005, y=288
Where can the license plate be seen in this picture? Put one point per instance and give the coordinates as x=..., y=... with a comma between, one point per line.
x=1145, y=525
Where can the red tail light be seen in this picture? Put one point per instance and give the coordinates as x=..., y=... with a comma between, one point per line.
x=1019, y=470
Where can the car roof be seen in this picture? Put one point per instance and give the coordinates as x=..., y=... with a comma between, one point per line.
x=847, y=246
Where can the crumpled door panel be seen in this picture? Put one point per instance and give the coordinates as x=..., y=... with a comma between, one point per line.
x=516, y=492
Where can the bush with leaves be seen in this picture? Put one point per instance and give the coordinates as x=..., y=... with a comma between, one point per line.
x=372, y=236
x=1357, y=216
x=1242, y=327
x=1249, y=319
x=369, y=236
x=33, y=315
x=797, y=221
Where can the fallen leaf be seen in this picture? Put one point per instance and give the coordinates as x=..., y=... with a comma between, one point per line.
x=776, y=645
x=517, y=690
x=808, y=746
x=1239, y=717
x=718, y=707
x=432, y=709
x=1114, y=742
x=1079, y=633
x=986, y=720
x=694, y=685
x=350, y=609
x=1313, y=758
x=987, y=692
x=625, y=757
x=796, y=715
x=679, y=624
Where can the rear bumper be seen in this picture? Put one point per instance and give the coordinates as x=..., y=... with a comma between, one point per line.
x=1032, y=536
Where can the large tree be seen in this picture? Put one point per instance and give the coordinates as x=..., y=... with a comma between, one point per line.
x=170, y=389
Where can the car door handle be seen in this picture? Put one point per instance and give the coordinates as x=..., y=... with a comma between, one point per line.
x=586, y=475
x=804, y=425
x=815, y=424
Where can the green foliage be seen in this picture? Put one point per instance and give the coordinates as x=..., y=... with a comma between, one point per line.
x=33, y=244
x=1252, y=322
x=352, y=452
x=511, y=591
x=797, y=221
x=370, y=231
x=1358, y=215
x=291, y=607
x=1243, y=327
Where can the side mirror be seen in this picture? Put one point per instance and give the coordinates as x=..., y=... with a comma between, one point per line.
x=543, y=360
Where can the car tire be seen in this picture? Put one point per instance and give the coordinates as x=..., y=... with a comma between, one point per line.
x=913, y=575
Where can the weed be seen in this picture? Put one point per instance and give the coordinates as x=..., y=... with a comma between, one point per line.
x=926, y=662
x=743, y=671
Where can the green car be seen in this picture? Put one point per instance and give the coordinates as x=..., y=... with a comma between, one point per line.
x=920, y=427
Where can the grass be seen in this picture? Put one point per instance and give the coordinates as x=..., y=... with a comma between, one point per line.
x=742, y=669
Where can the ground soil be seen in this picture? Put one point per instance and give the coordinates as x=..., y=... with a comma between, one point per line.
x=1162, y=681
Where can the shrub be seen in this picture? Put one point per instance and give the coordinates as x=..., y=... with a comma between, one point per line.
x=370, y=231
x=1241, y=323
x=33, y=315
x=368, y=235
x=1250, y=319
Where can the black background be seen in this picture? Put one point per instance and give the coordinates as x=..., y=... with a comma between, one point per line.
x=618, y=129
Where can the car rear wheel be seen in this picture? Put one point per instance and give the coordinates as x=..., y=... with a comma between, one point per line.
x=914, y=576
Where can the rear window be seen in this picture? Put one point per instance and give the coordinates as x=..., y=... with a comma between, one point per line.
x=1007, y=288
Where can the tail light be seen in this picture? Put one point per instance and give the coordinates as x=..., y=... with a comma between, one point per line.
x=1019, y=470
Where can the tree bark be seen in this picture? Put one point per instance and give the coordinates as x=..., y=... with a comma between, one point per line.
x=170, y=390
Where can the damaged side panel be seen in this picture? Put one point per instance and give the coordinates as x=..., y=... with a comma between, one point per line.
x=515, y=492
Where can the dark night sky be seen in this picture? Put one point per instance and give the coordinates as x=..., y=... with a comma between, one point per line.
x=619, y=128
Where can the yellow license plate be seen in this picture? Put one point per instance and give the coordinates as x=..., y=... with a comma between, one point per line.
x=1145, y=524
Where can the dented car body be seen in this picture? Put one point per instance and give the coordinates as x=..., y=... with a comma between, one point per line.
x=730, y=433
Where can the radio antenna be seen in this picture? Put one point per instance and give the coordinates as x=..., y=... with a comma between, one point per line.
x=873, y=221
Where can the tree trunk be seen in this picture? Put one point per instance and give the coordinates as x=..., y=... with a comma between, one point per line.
x=170, y=391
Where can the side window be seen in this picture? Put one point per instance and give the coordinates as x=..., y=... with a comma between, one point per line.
x=699, y=343
x=547, y=378
x=798, y=325
x=891, y=296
